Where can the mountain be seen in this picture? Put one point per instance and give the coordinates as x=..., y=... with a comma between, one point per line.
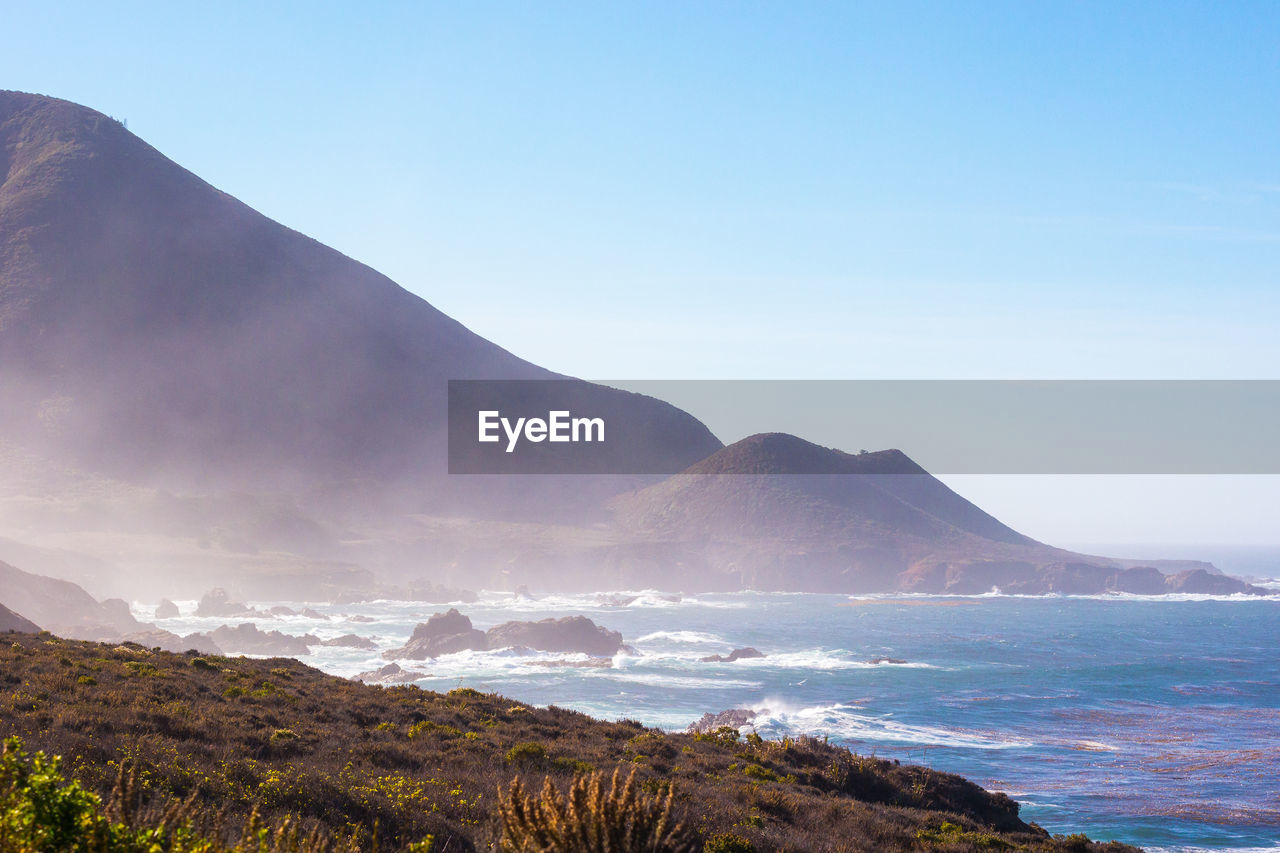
x=192, y=389
x=776, y=512
x=10, y=621
x=63, y=607
x=157, y=330
x=195, y=396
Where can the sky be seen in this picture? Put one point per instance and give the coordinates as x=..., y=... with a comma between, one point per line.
x=789, y=190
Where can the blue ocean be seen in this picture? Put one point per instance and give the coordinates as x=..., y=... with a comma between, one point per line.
x=1153, y=721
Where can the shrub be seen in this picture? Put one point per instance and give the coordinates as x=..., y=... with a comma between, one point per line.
x=950, y=833
x=526, y=753
x=141, y=668
x=727, y=842
x=575, y=765
x=723, y=736
x=616, y=819
x=40, y=812
x=419, y=729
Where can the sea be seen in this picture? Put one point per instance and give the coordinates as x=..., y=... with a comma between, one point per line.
x=1154, y=721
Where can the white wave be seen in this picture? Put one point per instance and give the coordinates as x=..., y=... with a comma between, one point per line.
x=1193, y=849
x=687, y=637
x=662, y=679
x=820, y=659
x=1105, y=596
x=601, y=601
x=851, y=723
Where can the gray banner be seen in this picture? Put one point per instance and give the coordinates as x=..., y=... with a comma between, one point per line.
x=947, y=426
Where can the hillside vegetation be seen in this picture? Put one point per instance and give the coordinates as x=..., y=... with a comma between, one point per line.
x=225, y=743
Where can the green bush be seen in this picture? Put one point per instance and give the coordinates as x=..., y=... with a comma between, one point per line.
x=950, y=833
x=526, y=753
x=41, y=812
x=727, y=842
x=723, y=736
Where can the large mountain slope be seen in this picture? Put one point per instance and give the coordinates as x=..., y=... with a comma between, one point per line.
x=157, y=330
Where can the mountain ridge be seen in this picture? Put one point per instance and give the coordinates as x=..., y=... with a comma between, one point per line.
x=139, y=300
x=198, y=394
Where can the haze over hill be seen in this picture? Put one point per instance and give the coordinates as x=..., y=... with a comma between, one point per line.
x=197, y=395
x=174, y=362
x=775, y=512
x=159, y=331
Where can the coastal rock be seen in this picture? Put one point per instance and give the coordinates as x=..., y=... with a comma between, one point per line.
x=248, y=639
x=310, y=613
x=442, y=634
x=281, y=610
x=217, y=602
x=1200, y=582
x=450, y=632
x=1140, y=580
x=734, y=718
x=358, y=618
x=736, y=654
x=392, y=673
x=157, y=638
x=878, y=661
x=166, y=609
x=351, y=641
x=200, y=643
x=568, y=634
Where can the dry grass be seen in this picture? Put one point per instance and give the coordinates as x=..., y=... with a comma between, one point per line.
x=282, y=744
x=616, y=819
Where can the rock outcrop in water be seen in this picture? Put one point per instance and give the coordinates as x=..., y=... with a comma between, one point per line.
x=567, y=634
x=158, y=638
x=217, y=602
x=734, y=718
x=1200, y=582
x=166, y=609
x=351, y=641
x=248, y=639
x=736, y=654
x=1140, y=580
x=392, y=673
x=443, y=634
x=451, y=632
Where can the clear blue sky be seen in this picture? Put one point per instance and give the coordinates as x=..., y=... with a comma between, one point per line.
x=744, y=190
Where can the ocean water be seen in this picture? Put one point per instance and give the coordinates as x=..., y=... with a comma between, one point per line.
x=1153, y=721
